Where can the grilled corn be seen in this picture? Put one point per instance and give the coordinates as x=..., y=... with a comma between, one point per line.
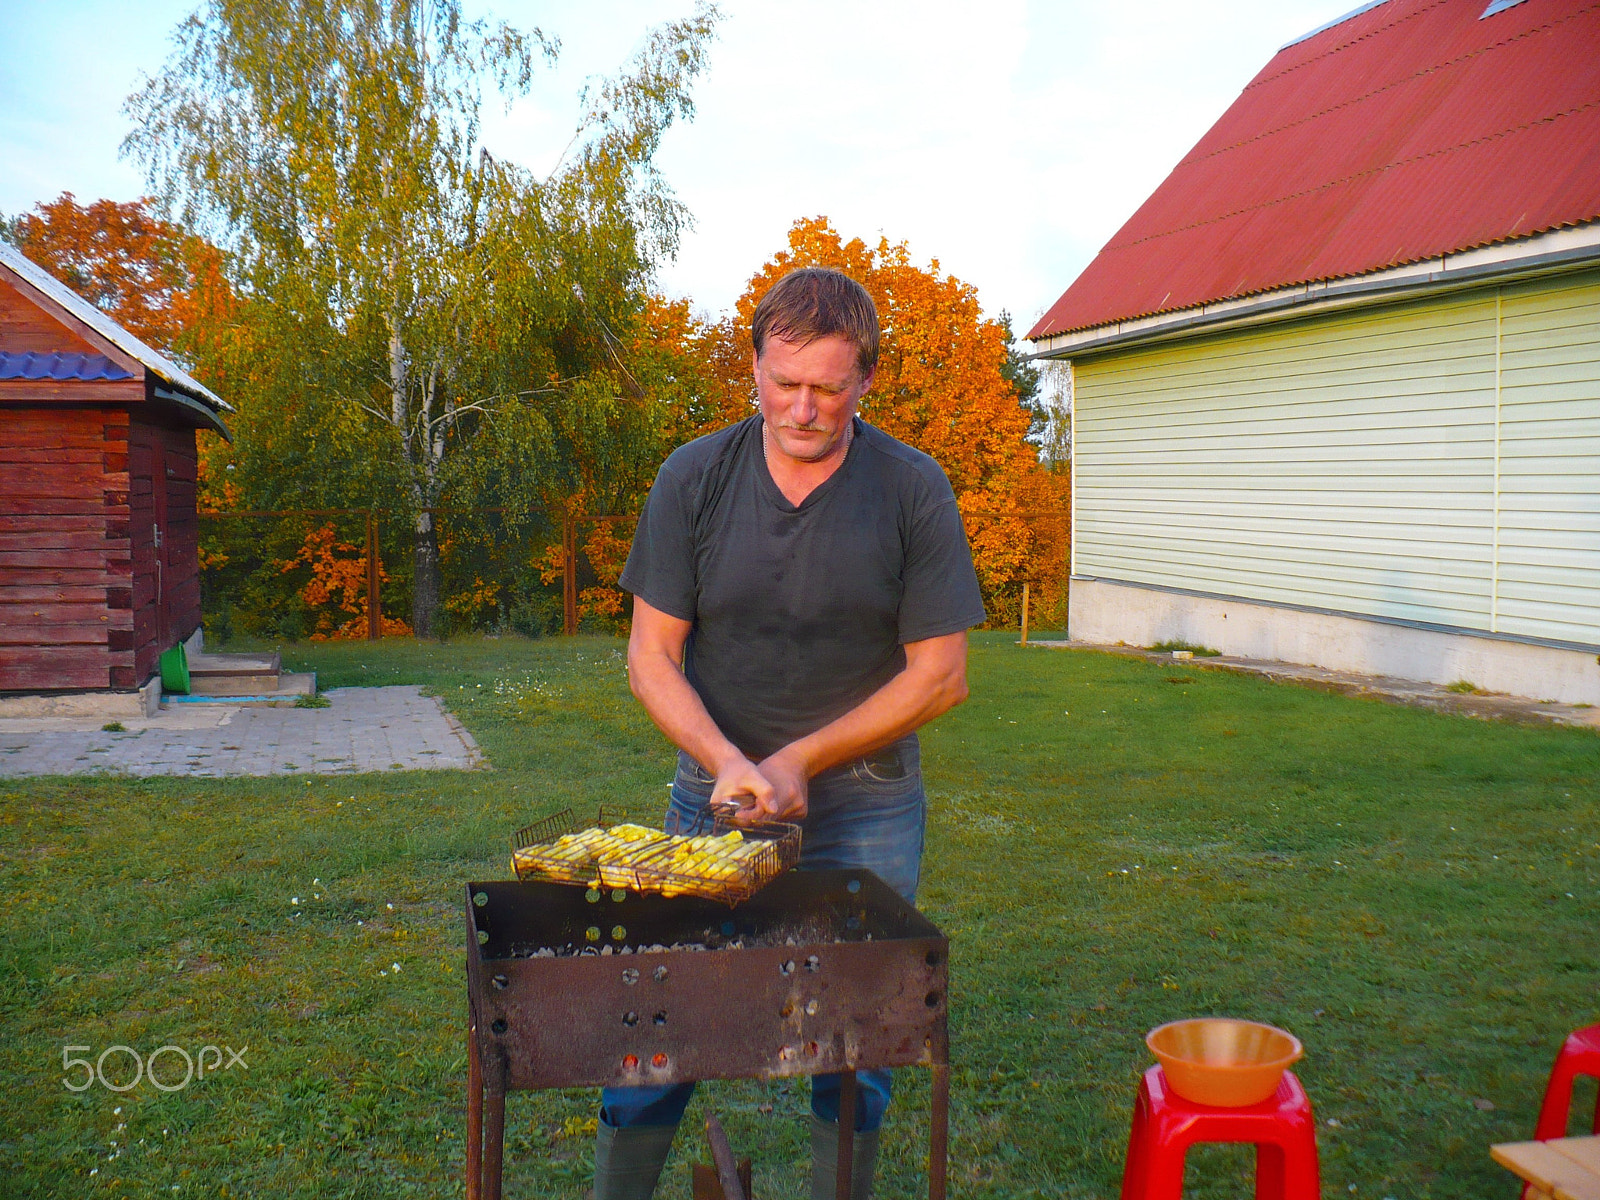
x=633, y=856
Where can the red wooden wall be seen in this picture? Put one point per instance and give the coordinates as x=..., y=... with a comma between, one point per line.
x=87, y=600
x=24, y=326
x=65, y=555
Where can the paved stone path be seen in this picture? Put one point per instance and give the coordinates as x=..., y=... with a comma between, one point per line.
x=363, y=729
x=1493, y=705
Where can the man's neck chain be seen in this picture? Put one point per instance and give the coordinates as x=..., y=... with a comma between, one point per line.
x=766, y=440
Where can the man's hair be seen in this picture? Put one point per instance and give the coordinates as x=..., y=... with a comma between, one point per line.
x=815, y=302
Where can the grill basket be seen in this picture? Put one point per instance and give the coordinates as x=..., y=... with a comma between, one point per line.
x=652, y=871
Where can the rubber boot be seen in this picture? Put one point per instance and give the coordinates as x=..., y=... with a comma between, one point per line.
x=825, y=1161
x=627, y=1162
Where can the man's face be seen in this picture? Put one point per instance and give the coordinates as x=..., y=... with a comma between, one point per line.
x=808, y=394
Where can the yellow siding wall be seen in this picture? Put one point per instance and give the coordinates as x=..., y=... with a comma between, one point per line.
x=1549, y=543
x=1437, y=461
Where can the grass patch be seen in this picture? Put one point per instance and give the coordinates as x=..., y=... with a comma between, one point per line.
x=1465, y=687
x=113, y=727
x=311, y=700
x=1191, y=647
x=1113, y=844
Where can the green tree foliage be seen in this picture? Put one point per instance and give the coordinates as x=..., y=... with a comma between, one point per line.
x=422, y=319
x=1023, y=376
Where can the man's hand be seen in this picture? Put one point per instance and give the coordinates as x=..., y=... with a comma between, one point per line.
x=790, y=782
x=741, y=784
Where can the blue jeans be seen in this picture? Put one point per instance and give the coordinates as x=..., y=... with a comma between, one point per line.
x=870, y=813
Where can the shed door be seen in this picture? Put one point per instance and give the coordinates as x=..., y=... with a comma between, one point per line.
x=158, y=501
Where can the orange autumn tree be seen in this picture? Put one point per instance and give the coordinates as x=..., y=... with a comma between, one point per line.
x=606, y=552
x=680, y=361
x=940, y=388
x=164, y=285
x=336, y=590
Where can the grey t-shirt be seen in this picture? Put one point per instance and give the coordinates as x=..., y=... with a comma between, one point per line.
x=800, y=612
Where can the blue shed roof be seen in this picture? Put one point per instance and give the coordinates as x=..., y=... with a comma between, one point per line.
x=60, y=367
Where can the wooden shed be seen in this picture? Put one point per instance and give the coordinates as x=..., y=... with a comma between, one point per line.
x=99, y=553
x=1337, y=381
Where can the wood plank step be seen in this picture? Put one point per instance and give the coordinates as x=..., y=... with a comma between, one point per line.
x=288, y=687
x=223, y=665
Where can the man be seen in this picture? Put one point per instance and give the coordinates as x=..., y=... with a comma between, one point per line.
x=802, y=590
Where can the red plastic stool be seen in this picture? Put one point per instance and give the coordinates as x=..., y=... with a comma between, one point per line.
x=1580, y=1055
x=1165, y=1125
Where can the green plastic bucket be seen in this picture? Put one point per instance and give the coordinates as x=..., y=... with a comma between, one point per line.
x=175, y=670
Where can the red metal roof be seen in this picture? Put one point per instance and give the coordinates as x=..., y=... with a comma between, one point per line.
x=1411, y=130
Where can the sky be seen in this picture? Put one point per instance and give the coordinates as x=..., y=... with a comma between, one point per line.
x=1008, y=139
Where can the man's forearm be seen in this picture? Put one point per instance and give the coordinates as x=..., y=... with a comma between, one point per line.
x=677, y=709
x=678, y=712
x=655, y=673
x=930, y=685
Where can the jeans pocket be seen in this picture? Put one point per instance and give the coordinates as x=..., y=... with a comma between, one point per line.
x=883, y=767
x=691, y=774
x=893, y=768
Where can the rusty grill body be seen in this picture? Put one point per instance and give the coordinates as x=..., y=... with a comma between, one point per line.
x=820, y=971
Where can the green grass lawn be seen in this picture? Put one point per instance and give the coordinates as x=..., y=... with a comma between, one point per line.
x=1114, y=844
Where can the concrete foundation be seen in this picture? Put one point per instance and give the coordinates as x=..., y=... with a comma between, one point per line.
x=1104, y=612
x=108, y=706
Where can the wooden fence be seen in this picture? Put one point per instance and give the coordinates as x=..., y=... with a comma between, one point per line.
x=571, y=524
x=373, y=517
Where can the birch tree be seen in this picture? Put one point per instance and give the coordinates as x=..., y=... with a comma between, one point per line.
x=333, y=147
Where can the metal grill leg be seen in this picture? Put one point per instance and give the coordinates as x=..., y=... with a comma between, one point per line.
x=474, y=1116
x=730, y=1184
x=847, y=1135
x=939, y=1131
x=494, y=1127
